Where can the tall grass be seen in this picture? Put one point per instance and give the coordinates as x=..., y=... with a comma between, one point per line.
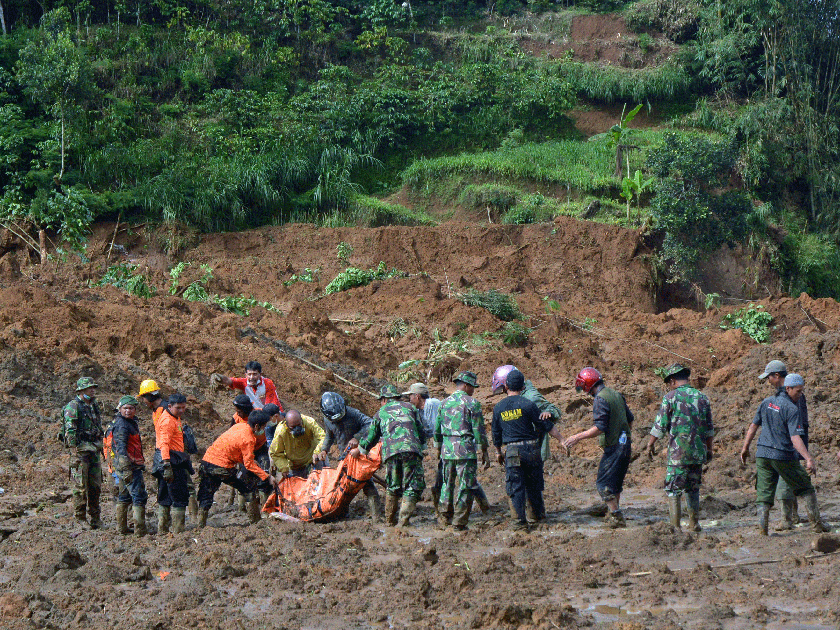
x=611, y=84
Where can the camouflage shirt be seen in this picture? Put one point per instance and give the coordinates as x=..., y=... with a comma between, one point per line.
x=686, y=416
x=399, y=427
x=83, y=425
x=533, y=394
x=459, y=428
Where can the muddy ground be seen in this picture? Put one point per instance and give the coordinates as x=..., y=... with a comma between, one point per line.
x=568, y=572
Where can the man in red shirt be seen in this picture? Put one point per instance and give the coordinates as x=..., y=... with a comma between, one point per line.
x=258, y=389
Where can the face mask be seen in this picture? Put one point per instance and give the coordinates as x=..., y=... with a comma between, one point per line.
x=297, y=431
x=87, y=397
x=260, y=431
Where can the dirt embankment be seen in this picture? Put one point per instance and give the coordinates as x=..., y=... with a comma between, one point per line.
x=568, y=573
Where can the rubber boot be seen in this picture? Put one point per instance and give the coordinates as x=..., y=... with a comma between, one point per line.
x=122, y=518
x=374, y=509
x=481, y=498
x=406, y=510
x=530, y=515
x=179, y=517
x=391, y=504
x=817, y=526
x=788, y=511
x=435, y=499
x=241, y=503
x=462, y=515
x=254, y=511
x=164, y=519
x=139, y=513
x=675, y=511
x=202, y=518
x=692, y=501
x=263, y=498
x=615, y=520
x=193, y=508
x=763, y=511
x=513, y=513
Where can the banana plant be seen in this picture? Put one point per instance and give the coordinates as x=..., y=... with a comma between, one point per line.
x=634, y=186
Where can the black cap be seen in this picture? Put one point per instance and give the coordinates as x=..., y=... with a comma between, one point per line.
x=243, y=402
x=271, y=409
x=515, y=380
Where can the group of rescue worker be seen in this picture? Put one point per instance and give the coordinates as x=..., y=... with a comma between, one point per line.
x=267, y=441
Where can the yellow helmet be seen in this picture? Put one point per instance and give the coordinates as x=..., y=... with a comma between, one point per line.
x=147, y=387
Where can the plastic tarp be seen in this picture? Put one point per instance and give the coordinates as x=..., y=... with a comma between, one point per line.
x=325, y=494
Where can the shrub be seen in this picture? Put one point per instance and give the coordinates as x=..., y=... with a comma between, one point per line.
x=612, y=84
x=373, y=212
x=532, y=209
x=752, y=319
x=355, y=277
x=497, y=196
x=501, y=305
x=678, y=20
x=515, y=334
x=124, y=276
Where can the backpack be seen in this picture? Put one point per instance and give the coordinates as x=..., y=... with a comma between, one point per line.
x=190, y=444
x=61, y=435
x=107, y=444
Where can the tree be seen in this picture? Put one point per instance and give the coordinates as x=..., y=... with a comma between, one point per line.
x=54, y=71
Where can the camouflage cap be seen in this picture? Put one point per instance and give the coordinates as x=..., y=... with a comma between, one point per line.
x=466, y=377
x=675, y=370
x=389, y=391
x=127, y=400
x=85, y=382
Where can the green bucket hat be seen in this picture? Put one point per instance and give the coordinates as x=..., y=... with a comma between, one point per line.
x=674, y=370
x=389, y=391
x=84, y=383
x=467, y=377
x=127, y=400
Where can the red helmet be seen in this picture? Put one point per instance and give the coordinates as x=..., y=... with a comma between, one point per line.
x=499, y=377
x=587, y=378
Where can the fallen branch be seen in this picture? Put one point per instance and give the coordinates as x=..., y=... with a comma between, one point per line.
x=338, y=376
x=116, y=229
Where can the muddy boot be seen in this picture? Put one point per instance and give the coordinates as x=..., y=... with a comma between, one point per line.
x=513, y=513
x=122, y=518
x=481, y=498
x=241, y=503
x=193, y=508
x=444, y=515
x=763, y=511
x=139, y=512
x=675, y=511
x=406, y=510
x=435, y=499
x=788, y=512
x=817, y=526
x=692, y=501
x=615, y=520
x=254, y=511
x=462, y=515
x=263, y=498
x=373, y=508
x=179, y=517
x=164, y=519
x=529, y=512
x=391, y=505
x=202, y=518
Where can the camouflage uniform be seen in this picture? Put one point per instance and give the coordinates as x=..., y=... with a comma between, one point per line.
x=533, y=394
x=399, y=426
x=686, y=416
x=83, y=433
x=459, y=433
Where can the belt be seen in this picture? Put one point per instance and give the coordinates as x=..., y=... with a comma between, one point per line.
x=523, y=442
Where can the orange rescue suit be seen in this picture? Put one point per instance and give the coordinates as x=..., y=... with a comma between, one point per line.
x=235, y=446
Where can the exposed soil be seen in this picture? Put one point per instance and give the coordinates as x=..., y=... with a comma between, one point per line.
x=568, y=572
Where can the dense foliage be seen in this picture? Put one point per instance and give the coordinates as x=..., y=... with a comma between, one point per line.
x=223, y=115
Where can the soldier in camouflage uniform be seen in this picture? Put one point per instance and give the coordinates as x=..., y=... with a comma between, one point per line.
x=83, y=433
x=459, y=433
x=686, y=417
x=399, y=426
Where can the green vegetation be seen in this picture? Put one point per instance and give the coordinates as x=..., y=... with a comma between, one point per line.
x=499, y=304
x=752, y=319
x=355, y=277
x=124, y=276
x=227, y=115
x=307, y=275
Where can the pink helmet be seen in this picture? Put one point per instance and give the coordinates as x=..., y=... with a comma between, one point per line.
x=499, y=377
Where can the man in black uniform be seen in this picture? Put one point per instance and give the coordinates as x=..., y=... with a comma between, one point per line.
x=517, y=425
x=611, y=424
x=345, y=426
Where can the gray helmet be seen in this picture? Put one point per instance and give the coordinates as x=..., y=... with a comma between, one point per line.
x=333, y=406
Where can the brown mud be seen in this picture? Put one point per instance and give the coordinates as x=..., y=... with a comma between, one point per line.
x=588, y=295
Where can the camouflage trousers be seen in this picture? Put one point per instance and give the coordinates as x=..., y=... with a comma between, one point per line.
x=459, y=482
x=683, y=479
x=86, y=472
x=405, y=475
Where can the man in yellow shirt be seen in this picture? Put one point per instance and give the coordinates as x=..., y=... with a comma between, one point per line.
x=297, y=445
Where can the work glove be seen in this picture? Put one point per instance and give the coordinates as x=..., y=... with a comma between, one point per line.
x=216, y=378
x=651, y=451
x=485, y=460
x=435, y=454
x=168, y=473
x=120, y=483
x=501, y=459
